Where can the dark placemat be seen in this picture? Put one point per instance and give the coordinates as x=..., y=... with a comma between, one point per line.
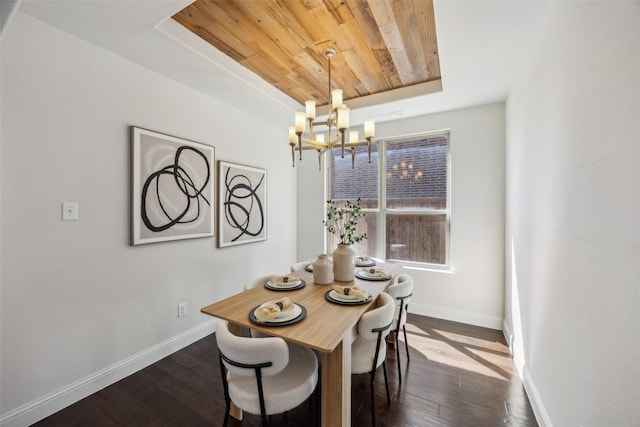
x=362, y=276
x=278, y=288
x=329, y=298
x=301, y=316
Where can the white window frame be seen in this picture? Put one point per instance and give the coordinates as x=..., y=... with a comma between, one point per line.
x=382, y=211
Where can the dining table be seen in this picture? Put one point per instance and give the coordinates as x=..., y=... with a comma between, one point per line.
x=328, y=327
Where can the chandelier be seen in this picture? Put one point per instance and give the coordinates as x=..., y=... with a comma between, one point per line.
x=336, y=126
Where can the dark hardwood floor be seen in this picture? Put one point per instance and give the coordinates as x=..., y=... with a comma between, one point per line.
x=459, y=375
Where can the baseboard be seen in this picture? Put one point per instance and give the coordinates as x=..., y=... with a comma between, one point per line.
x=508, y=336
x=457, y=316
x=534, y=398
x=53, y=402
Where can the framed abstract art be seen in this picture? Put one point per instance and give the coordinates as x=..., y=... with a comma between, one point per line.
x=242, y=206
x=172, y=188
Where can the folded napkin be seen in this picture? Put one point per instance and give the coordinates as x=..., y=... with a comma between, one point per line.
x=351, y=291
x=363, y=258
x=284, y=280
x=270, y=311
x=376, y=272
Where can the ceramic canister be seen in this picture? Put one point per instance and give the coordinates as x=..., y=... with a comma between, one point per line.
x=322, y=270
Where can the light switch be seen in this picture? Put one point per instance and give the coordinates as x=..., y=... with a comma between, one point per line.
x=69, y=211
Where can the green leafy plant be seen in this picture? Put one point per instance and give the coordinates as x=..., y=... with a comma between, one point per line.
x=342, y=222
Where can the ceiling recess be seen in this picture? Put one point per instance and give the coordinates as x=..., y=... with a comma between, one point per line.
x=381, y=45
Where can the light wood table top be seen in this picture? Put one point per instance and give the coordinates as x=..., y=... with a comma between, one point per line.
x=328, y=328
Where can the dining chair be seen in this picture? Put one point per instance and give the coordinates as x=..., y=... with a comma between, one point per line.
x=264, y=376
x=401, y=291
x=260, y=281
x=367, y=351
x=299, y=265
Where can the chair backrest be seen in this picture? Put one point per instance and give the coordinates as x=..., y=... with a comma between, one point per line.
x=379, y=317
x=251, y=351
x=299, y=265
x=260, y=281
x=373, y=327
x=401, y=292
x=257, y=282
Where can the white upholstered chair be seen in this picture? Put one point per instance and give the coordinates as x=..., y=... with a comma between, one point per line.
x=300, y=265
x=401, y=291
x=264, y=376
x=260, y=281
x=368, y=350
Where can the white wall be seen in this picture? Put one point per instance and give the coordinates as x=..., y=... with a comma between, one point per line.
x=473, y=291
x=310, y=207
x=573, y=217
x=77, y=301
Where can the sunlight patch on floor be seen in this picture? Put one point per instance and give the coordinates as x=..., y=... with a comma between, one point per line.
x=484, y=357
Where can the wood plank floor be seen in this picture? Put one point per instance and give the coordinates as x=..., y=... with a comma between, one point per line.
x=459, y=375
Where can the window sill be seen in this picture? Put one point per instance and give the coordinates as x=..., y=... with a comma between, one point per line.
x=427, y=269
x=445, y=271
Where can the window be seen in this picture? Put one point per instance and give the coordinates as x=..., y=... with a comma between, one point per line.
x=404, y=191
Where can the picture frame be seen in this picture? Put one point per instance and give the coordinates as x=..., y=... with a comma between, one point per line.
x=242, y=207
x=173, y=188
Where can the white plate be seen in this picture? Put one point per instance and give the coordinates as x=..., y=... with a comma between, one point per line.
x=279, y=284
x=284, y=316
x=344, y=298
x=365, y=261
x=364, y=273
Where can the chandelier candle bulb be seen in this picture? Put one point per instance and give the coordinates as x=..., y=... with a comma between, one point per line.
x=292, y=135
x=369, y=128
x=311, y=109
x=353, y=136
x=343, y=117
x=300, y=122
x=336, y=98
x=320, y=137
x=300, y=125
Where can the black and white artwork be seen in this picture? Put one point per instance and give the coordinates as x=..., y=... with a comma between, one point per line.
x=173, y=188
x=242, y=206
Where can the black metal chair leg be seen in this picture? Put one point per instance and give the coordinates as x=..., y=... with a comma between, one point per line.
x=398, y=356
x=226, y=415
x=386, y=382
x=225, y=386
x=373, y=399
x=406, y=343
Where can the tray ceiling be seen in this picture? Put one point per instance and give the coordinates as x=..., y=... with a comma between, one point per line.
x=381, y=45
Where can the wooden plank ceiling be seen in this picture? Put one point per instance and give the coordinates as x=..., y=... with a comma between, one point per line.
x=381, y=45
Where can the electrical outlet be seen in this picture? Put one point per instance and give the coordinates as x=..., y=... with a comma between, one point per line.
x=182, y=309
x=69, y=211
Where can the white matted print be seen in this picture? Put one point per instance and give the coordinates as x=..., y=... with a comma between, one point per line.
x=173, y=188
x=243, y=204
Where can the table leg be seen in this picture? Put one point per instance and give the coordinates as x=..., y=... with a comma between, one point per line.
x=392, y=339
x=234, y=411
x=336, y=386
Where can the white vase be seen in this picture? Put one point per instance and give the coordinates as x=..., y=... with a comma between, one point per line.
x=344, y=263
x=322, y=270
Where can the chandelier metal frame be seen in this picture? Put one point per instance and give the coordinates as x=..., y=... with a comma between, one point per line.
x=337, y=124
